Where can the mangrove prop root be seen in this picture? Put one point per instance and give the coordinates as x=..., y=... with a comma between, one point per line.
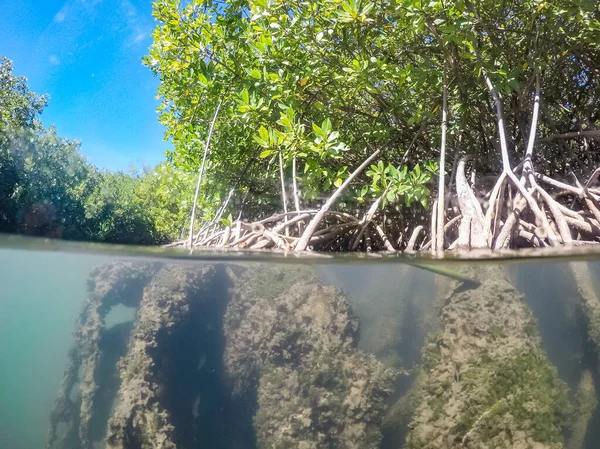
x=288, y=357
x=485, y=380
x=585, y=403
x=590, y=303
x=561, y=213
x=293, y=342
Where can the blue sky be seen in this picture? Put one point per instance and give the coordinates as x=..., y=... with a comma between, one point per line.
x=86, y=54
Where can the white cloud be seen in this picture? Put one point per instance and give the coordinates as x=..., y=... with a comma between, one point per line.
x=130, y=10
x=139, y=26
x=60, y=16
x=54, y=60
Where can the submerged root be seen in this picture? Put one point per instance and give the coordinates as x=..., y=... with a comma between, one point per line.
x=284, y=353
x=589, y=300
x=486, y=383
x=585, y=403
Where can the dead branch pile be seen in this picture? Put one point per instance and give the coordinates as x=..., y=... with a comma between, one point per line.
x=283, y=231
x=536, y=210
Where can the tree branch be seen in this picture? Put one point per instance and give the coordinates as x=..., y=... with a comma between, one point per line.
x=206, y=147
x=312, y=226
x=441, y=205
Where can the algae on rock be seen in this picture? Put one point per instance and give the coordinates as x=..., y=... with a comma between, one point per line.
x=109, y=285
x=142, y=419
x=486, y=383
x=294, y=344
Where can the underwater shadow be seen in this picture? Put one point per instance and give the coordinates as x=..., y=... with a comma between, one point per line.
x=197, y=393
x=112, y=346
x=410, y=340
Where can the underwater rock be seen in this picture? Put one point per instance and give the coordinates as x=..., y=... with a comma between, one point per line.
x=292, y=343
x=109, y=285
x=485, y=381
x=273, y=362
x=141, y=419
x=590, y=302
x=585, y=403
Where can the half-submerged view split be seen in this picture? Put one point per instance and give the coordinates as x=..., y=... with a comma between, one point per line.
x=354, y=224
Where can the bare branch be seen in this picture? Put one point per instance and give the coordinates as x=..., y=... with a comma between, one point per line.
x=206, y=147
x=571, y=135
x=312, y=226
x=441, y=204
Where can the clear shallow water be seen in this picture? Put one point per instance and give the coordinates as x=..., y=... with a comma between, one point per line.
x=401, y=356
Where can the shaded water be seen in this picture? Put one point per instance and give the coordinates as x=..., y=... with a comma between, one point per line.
x=267, y=355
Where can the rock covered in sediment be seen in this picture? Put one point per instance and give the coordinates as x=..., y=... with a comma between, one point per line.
x=108, y=285
x=486, y=383
x=585, y=403
x=141, y=419
x=293, y=342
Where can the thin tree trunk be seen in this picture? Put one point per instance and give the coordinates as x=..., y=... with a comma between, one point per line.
x=500, y=117
x=527, y=164
x=206, y=147
x=283, y=192
x=441, y=205
x=295, y=186
x=434, y=227
x=296, y=192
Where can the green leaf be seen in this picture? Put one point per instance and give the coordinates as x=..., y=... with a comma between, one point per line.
x=244, y=96
x=203, y=79
x=318, y=131
x=263, y=133
x=367, y=9
x=227, y=221
x=261, y=142
x=265, y=154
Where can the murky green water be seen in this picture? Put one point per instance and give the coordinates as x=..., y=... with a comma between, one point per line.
x=224, y=352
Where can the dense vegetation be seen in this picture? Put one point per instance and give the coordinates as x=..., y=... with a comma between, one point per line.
x=479, y=122
x=308, y=90
x=48, y=189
